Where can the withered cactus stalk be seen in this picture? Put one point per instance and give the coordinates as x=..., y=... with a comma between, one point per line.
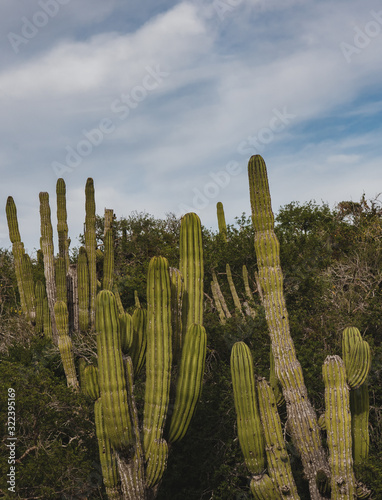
x=48, y=252
x=90, y=245
x=62, y=225
x=301, y=415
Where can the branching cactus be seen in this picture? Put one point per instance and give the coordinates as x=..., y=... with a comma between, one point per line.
x=357, y=359
x=302, y=418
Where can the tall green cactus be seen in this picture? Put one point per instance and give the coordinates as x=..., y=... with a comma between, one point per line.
x=62, y=225
x=303, y=421
x=108, y=261
x=221, y=220
x=90, y=245
x=17, y=249
x=191, y=268
x=158, y=363
x=60, y=271
x=338, y=425
x=177, y=291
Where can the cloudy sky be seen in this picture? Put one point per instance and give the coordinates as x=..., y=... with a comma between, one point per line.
x=162, y=103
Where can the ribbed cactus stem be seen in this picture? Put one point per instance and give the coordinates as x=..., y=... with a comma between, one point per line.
x=108, y=261
x=191, y=268
x=60, y=270
x=302, y=418
x=338, y=425
x=249, y=428
x=221, y=220
x=90, y=245
x=17, y=249
x=232, y=287
x=62, y=225
x=131, y=469
x=107, y=458
x=189, y=382
x=177, y=290
x=262, y=488
x=83, y=290
x=111, y=376
x=47, y=322
x=158, y=364
x=65, y=343
x=90, y=381
x=48, y=252
x=279, y=467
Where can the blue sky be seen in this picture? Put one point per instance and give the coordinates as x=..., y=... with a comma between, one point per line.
x=162, y=104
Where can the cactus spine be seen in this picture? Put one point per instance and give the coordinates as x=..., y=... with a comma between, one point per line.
x=338, y=424
x=303, y=421
x=90, y=246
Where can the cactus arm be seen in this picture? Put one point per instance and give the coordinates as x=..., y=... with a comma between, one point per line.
x=279, y=467
x=338, y=425
x=189, y=383
x=303, y=421
x=65, y=344
x=138, y=347
x=28, y=286
x=111, y=376
x=158, y=359
x=262, y=488
x=273, y=380
x=126, y=329
x=108, y=262
x=234, y=294
x=359, y=406
x=47, y=250
x=220, y=295
x=191, y=268
x=91, y=385
x=90, y=245
x=40, y=294
x=221, y=220
x=83, y=290
x=249, y=429
x=218, y=304
x=177, y=289
x=60, y=273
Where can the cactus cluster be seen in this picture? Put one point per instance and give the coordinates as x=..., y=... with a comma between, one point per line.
x=346, y=399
